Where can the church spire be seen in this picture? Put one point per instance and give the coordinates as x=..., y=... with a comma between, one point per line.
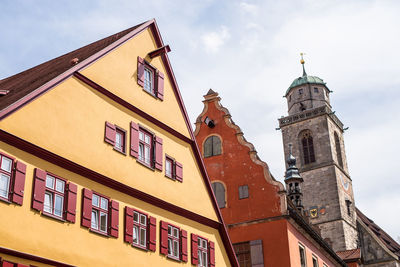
x=302, y=63
x=294, y=181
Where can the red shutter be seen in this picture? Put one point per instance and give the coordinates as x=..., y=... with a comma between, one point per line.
x=114, y=218
x=160, y=85
x=159, y=153
x=128, y=225
x=71, y=202
x=211, y=254
x=179, y=171
x=164, y=238
x=38, y=189
x=86, y=207
x=109, y=135
x=195, y=256
x=19, y=183
x=8, y=264
x=183, y=243
x=152, y=234
x=134, y=139
x=140, y=71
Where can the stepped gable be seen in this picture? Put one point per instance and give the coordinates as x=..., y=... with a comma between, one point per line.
x=389, y=242
x=23, y=83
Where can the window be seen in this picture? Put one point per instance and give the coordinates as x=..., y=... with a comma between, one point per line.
x=202, y=249
x=139, y=229
x=348, y=205
x=173, y=169
x=173, y=242
x=243, y=191
x=338, y=150
x=316, y=90
x=151, y=79
x=308, y=147
x=120, y=140
x=212, y=146
x=115, y=136
x=300, y=91
x=325, y=265
x=302, y=252
x=99, y=213
x=54, y=196
x=219, y=193
x=314, y=261
x=242, y=251
x=169, y=163
x=5, y=177
x=148, y=80
x=145, y=147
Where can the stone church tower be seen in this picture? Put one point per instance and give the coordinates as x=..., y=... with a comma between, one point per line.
x=315, y=134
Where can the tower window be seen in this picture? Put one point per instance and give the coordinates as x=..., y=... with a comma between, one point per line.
x=212, y=146
x=300, y=91
x=219, y=193
x=338, y=150
x=308, y=147
x=315, y=89
x=348, y=204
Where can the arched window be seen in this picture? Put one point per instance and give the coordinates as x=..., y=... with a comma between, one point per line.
x=212, y=146
x=338, y=150
x=308, y=147
x=219, y=193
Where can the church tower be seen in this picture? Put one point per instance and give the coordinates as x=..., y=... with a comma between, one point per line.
x=315, y=134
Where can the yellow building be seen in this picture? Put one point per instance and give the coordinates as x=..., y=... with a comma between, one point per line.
x=99, y=166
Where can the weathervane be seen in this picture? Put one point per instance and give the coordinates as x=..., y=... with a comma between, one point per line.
x=302, y=63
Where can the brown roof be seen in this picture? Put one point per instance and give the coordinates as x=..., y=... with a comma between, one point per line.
x=389, y=242
x=21, y=84
x=350, y=255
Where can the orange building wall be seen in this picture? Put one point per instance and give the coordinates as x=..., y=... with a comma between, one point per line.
x=235, y=168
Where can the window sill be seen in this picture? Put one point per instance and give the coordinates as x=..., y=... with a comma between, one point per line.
x=52, y=216
x=173, y=258
x=139, y=247
x=5, y=200
x=152, y=94
x=122, y=152
x=144, y=164
x=98, y=232
x=170, y=177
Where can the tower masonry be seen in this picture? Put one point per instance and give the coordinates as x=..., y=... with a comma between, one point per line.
x=315, y=134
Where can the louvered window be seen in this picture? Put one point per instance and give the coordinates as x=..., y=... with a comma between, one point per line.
x=212, y=146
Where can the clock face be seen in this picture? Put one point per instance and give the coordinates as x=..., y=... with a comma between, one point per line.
x=345, y=184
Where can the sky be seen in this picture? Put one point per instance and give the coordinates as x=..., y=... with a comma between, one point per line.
x=248, y=51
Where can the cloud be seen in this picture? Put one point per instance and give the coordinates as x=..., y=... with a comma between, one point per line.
x=248, y=8
x=214, y=40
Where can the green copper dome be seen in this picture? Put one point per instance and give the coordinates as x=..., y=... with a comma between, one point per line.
x=305, y=79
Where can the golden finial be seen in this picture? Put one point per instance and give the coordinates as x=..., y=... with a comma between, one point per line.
x=302, y=60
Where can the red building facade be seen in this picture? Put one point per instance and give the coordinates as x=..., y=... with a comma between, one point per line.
x=264, y=226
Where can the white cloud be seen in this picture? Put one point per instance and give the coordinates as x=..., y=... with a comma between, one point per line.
x=214, y=40
x=249, y=8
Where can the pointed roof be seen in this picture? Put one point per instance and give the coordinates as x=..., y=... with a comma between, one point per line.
x=386, y=239
x=21, y=84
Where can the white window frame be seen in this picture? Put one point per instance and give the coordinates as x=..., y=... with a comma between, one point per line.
x=140, y=227
x=202, y=250
x=148, y=80
x=305, y=255
x=173, y=241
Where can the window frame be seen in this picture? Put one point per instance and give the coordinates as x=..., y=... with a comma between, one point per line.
x=244, y=195
x=153, y=70
x=307, y=147
x=301, y=92
x=122, y=132
x=211, y=137
x=202, y=250
x=316, y=260
x=302, y=248
x=99, y=209
x=225, y=193
x=151, y=146
x=10, y=174
x=140, y=227
x=242, y=252
x=55, y=192
x=173, y=167
x=176, y=239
